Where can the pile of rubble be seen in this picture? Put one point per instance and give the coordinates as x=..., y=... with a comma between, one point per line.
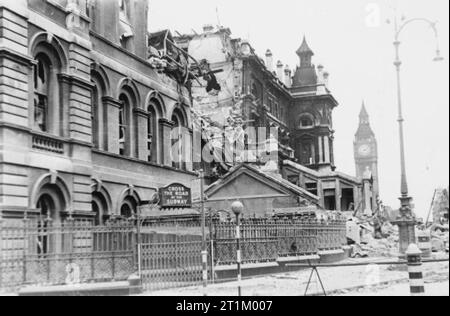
x=439, y=238
x=367, y=241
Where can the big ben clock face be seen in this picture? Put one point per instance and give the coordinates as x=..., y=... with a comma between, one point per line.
x=364, y=150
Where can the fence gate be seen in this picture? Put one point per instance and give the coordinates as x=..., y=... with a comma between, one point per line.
x=172, y=263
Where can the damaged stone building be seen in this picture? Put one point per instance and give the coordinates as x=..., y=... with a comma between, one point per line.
x=86, y=112
x=297, y=102
x=90, y=100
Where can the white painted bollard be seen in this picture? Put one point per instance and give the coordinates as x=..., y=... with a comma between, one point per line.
x=416, y=283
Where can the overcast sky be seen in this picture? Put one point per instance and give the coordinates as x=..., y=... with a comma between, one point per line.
x=355, y=46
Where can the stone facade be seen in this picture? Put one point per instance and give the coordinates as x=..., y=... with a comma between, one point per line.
x=85, y=121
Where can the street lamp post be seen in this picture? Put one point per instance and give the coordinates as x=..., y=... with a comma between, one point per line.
x=406, y=220
x=237, y=208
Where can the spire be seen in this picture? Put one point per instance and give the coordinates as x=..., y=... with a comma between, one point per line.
x=363, y=115
x=305, y=53
x=304, y=49
x=364, y=129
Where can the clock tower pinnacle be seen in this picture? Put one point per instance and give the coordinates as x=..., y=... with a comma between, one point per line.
x=366, y=151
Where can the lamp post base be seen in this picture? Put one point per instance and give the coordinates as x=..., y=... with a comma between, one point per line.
x=406, y=223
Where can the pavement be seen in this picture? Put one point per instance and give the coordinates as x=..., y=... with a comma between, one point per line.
x=401, y=289
x=367, y=280
x=336, y=281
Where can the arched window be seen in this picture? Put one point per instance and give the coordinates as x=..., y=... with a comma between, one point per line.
x=95, y=105
x=41, y=75
x=98, y=110
x=179, y=140
x=49, y=60
x=124, y=125
x=46, y=206
x=306, y=121
x=153, y=142
x=151, y=135
x=129, y=207
x=100, y=208
x=51, y=202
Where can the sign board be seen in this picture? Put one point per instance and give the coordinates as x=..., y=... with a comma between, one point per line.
x=175, y=196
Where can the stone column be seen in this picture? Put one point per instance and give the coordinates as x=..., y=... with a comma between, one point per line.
x=188, y=148
x=356, y=196
x=367, y=198
x=326, y=149
x=141, y=132
x=64, y=93
x=320, y=193
x=165, y=130
x=112, y=124
x=320, y=149
x=338, y=195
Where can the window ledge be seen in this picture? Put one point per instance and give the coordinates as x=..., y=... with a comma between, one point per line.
x=47, y=142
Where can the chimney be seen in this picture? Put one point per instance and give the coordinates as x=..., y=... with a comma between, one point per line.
x=280, y=74
x=269, y=60
x=321, y=87
x=208, y=28
x=326, y=76
x=287, y=76
x=246, y=49
x=320, y=73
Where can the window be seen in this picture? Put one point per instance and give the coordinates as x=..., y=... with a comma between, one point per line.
x=152, y=131
x=270, y=105
x=306, y=121
x=123, y=125
x=45, y=205
x=128, y=208
x=95, y=117
x=257, y=91
x=179, y=140
x=41, y=93
x=254, y=91
x=98, y=110
x=307, y=153
x=150, y=135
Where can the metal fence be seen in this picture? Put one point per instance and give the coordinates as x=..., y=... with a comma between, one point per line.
x=267, y=240
x=171, y=264
x=42, y=253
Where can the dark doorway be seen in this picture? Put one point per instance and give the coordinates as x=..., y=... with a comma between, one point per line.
x=330, y=199
x=46, y=205
x=347, y=201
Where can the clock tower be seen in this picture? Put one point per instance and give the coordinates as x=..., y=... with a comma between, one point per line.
x=366, y=151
